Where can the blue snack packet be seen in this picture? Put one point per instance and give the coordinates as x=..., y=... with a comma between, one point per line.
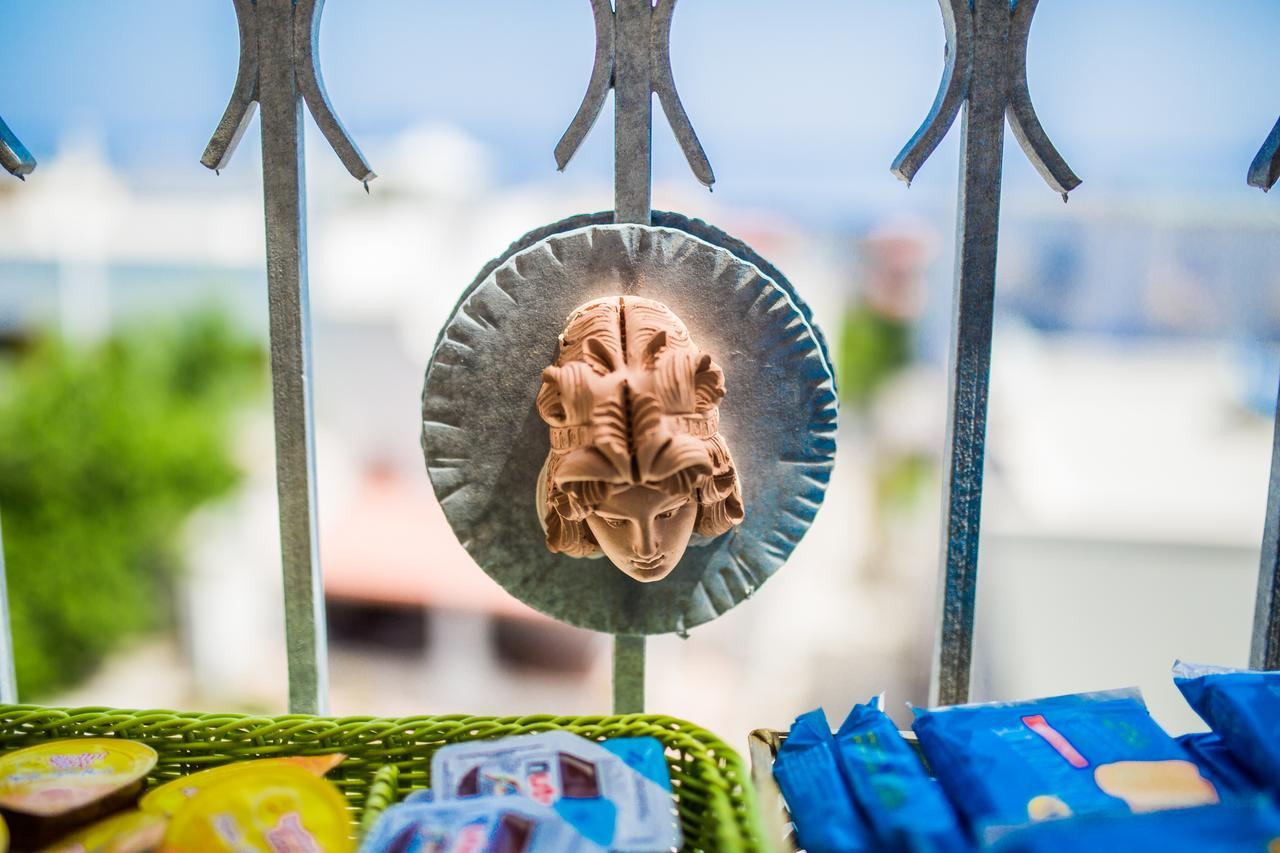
x=502, y=824
x=907, y=809
x=1004, y=764
x=616, y=793
x=1218, y=764
x=1243, y=709
x=1236, y=827
x=821, y=806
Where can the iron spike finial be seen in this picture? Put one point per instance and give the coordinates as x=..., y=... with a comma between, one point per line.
x=662, y=83
x=310, y=82
x=14, y=156
x=954, y=90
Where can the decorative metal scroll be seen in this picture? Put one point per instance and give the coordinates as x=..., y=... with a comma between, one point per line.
x=279, y=70
x=986, y=71
x=1265, y=648
x=486, y=444
x=14, y=156
x=633, y=57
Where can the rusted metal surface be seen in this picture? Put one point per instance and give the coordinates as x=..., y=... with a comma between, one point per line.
x=985, y=73
x=279, y=71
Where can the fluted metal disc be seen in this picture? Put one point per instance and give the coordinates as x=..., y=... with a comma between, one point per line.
x=485, y=442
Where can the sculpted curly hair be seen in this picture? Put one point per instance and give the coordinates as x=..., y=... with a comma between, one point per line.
x=631, y=401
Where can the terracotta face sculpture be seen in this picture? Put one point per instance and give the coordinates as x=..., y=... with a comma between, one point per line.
x=637, y=464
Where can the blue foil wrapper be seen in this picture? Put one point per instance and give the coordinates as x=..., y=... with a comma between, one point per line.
x=1236, y=827
x=906, y=809
x=1006, y=764
x=1243, y=709
x=1219, y=765
x=820, y=802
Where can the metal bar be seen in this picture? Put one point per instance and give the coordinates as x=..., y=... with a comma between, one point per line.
x=244, y=94
x=1265, y=168
x=664, y=86
x=14, y=156
x=986, y=71
x=597, y=87
x=306, y=62
x=633, y=57
x=279, y=70
x=1264, y=650
x=653, y=67
x=1265, y=647
x=632, y=111
x=632, y=187
x=8, y=678
x=957, y=24
x=982, y=148
x=1022, y=115
x=628, y=674
x=284, y=196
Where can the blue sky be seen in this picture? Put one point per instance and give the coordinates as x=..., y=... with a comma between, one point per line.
x=796, y=102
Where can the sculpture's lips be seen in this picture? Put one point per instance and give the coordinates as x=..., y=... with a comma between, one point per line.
x=649, y=564
x=649, y=572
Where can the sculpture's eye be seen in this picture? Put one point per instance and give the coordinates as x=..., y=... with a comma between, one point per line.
x=671, y=513
x=613, y=522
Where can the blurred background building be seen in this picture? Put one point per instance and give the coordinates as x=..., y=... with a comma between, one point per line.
x=1134, y=377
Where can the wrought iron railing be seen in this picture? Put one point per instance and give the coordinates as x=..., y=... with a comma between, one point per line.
x=985, y=75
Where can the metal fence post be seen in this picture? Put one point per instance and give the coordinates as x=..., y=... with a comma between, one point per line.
x=986, y=73
x=17, y=161
x=633, y=57
x=279, y=69
x=8, y=677
x=1264, y=651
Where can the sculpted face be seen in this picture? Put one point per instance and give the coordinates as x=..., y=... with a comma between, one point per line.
x=637, y=463
x=643, y=531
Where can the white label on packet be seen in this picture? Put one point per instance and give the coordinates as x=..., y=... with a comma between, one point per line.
x=593, y=788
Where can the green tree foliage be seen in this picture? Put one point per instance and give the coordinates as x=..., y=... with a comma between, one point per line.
x=873, y=347
x=104, y=451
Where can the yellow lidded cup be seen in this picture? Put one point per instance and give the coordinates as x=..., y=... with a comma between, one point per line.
x=276, y=807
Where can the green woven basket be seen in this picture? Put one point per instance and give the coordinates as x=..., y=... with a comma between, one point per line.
x=390, y=757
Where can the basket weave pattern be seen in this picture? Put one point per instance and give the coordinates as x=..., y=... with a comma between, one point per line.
x=388, y=757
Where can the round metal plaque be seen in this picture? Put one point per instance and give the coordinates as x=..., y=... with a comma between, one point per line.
x=485, y=443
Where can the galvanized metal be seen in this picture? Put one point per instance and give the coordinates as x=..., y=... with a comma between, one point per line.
x=986, y=73
x=8, y=677
x=1265, y=169
x=628, y=674
x=633, y=56
x=14, y=156
x=279, y=70
x=485, y=443
x=1265, y=648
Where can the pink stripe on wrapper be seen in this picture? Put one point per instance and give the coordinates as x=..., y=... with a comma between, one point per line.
x=1055, y=739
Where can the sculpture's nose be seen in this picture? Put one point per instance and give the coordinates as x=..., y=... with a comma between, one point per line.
x=645, y=540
